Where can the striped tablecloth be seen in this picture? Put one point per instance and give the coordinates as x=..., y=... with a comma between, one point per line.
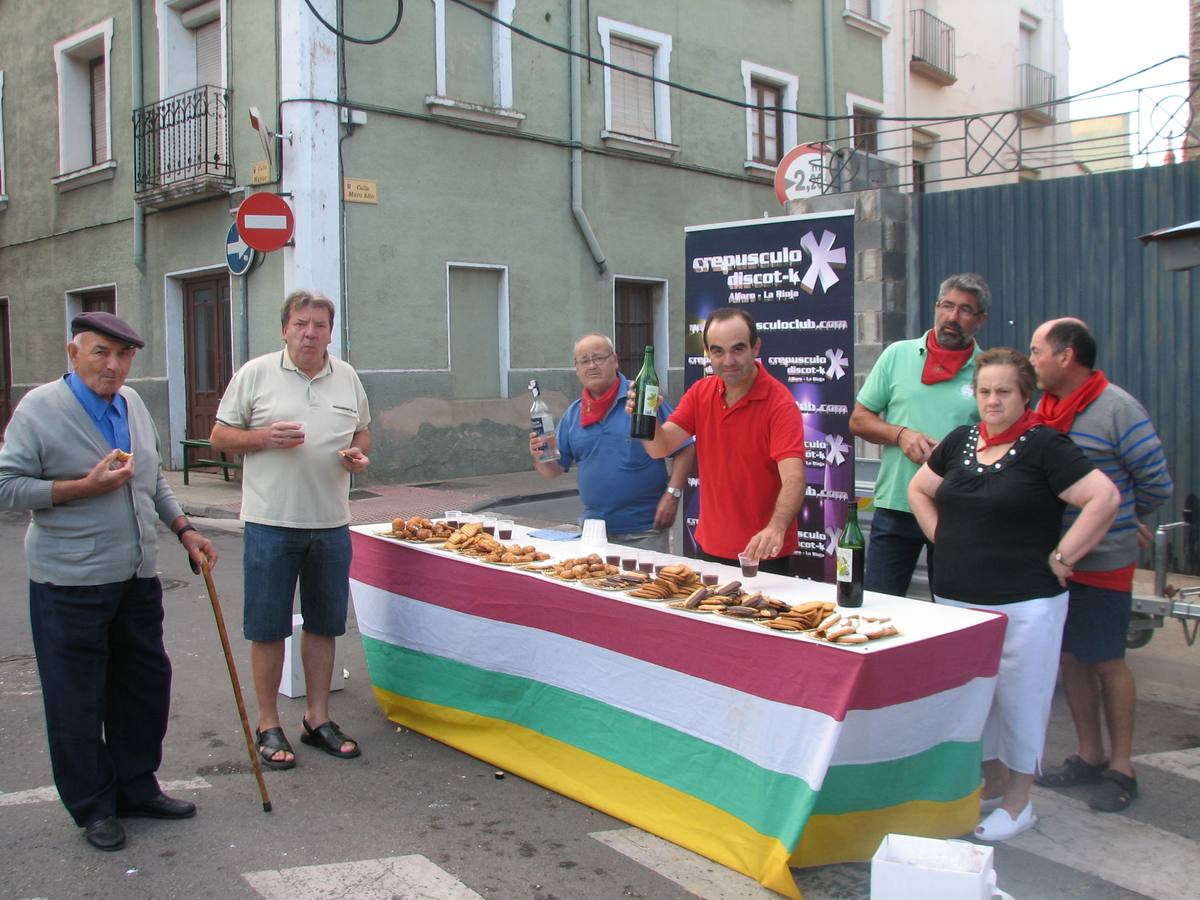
x=755, y=749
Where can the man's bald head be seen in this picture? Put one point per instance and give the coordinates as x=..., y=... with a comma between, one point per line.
x=1069, y=333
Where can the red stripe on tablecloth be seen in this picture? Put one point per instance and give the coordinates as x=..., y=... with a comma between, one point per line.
x=824, y=679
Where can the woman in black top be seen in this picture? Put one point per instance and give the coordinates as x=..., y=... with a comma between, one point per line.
x=991, y=497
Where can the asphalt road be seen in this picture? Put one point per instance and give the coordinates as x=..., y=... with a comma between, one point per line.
x=412, y=818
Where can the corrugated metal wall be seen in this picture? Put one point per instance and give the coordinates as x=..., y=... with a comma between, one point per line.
x=1068, y=246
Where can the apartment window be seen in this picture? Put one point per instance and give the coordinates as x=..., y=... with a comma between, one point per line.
x=918, y=176
x=473, y=62
x=866, y=15
x=767, y=129
x=866, y=130
x=98, y=301
x=84, y=98
x=770, y=131
x=637, y=110
x=865, y=8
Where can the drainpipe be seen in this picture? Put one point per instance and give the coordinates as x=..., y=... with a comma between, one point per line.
x=581, y=218
x=827, y=36
x=139, y=214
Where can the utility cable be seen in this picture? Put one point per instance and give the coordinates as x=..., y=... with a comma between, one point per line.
x=358, y=40
x=742, y=104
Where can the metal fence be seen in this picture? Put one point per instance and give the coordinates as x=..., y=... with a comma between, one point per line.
x=182, y=138
x=1036, y=140
x=1069, y=246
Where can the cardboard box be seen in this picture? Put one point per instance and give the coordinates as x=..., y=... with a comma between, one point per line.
x=916, y=868
x=292, y=682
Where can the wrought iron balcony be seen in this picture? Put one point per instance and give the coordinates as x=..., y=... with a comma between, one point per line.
x=1036, y=88
x=181, y=147
x=932, y=48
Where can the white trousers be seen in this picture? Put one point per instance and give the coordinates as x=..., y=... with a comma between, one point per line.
x=1015, y=731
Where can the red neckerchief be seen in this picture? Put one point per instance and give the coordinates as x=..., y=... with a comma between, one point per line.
x=593, y=409
x=1028, y=420
x=1060, y=413
x=942, y=364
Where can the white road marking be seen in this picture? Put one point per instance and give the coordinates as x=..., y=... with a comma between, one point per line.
x=1110, y=846
x=50, y=794
x=692, y=872
x=392, y=878
x=1177, y=762
x=275, y=223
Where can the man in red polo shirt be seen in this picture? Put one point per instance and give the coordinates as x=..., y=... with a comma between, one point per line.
x=750, y=447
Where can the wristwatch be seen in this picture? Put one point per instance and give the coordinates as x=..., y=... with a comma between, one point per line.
x=1058, y=558
x=675, y=492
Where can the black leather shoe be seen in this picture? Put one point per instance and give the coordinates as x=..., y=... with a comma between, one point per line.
x=107, y=834
x=160, y=807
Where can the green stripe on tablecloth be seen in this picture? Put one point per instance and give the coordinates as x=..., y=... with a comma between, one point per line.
x=945, y=772
x=772, y=803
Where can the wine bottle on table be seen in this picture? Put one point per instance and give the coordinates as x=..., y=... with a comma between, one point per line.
x=645, y=404
x=851, y=553
x=541, y=421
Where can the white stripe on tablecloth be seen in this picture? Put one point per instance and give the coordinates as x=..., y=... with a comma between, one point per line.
x=777, y=736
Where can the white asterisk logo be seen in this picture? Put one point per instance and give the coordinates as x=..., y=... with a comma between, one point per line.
x=831, y=535
x=838, y=448
x=824, y=258
x=837, y=363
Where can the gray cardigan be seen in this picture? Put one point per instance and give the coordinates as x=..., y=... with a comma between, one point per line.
x=96, y=540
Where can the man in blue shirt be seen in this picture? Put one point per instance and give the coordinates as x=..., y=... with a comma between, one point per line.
x=618, y=481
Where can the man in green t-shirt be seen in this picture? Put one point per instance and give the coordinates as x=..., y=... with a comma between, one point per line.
x=918, y=391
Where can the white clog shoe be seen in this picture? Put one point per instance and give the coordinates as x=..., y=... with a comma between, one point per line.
x=998, y=825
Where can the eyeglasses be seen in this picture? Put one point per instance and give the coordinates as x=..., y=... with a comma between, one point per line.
x=957, y=309
x=594, y=360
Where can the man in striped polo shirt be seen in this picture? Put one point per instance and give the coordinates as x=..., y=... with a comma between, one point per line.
x=1116, y=434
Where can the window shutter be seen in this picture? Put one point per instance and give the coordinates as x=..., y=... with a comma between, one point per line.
x=208, y=54
x=99, y=112
x=632, y=96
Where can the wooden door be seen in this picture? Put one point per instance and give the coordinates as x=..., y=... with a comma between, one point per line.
x=208, y=359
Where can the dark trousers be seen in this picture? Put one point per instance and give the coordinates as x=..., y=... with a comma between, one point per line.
x=781, y=565
x=106, y=686
x=893, y=550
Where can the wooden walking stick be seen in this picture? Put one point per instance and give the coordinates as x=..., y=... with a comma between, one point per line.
x=233, y=678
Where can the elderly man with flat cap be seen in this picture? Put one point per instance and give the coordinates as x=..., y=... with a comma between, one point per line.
x=82, y=454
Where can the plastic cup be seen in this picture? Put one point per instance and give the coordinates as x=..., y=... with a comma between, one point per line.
x=709, y=579
x=645, y=562
x=595, y=534
x=749, y=565
x=453, y=517
x=504, y=529
x=629, y=559
x=489, y=525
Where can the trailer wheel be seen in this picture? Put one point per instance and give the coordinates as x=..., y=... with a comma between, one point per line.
x=1141, y=630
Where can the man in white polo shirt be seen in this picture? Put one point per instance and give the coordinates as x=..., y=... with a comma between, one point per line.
x=300, y=418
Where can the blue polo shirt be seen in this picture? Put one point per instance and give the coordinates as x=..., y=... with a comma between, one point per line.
x=618, y=481
x=111, y=418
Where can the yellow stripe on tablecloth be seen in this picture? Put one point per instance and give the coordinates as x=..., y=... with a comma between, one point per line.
x=624, y=794
x=855, y=836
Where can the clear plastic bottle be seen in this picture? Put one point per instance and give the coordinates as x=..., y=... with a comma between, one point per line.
x=541, y=422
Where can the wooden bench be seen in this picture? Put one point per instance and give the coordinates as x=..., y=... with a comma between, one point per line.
x=201, y=445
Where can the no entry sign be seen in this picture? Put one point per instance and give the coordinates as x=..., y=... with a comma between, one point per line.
x=265, y=222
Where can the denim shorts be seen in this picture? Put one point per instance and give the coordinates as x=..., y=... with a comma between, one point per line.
x=275, y=558
x=1097, y=622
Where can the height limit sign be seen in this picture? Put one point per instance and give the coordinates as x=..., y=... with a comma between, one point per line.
x=265, y=222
